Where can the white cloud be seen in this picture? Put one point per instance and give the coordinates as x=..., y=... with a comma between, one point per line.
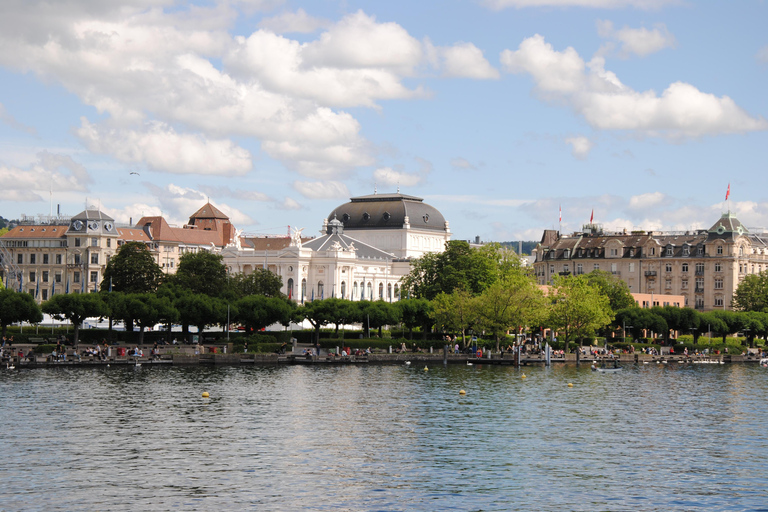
x=580, y=146
x=466, y=60
x=8, y=119
x=298, y=21
x=241, y=194
x=636, y=41
x=645, y=202
x=680, y=111
x=50, y=172
x=358, y=41
x=389, y=177
x=762, y=55
x=290, y=204
x=322, y=189
x=596, y=4
x=178, y=203
x=165, y=150
x=462, y=163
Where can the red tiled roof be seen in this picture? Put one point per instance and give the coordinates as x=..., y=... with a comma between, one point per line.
x=36, y=232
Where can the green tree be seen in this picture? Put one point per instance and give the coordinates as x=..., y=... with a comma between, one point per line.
x=132, y=270
x=514, y=301
x=148, y=309
x=259, y=282
x=256, y=312
x=617, y=291
x=459, y=267
x=455, y=312
x=577, y=309
x=344, y=312
x=752, y=293
x=377, y=314
x=18, y=307
x=202, y=272
x=75, y=307
x=200, y=310
x=416, y=313
x=318, y=313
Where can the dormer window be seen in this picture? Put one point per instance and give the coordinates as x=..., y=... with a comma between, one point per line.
x=686, y=250
x=669, y=250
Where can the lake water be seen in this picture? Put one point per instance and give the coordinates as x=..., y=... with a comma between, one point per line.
x=688, y=437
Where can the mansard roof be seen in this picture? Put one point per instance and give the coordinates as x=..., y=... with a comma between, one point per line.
x=728, y=226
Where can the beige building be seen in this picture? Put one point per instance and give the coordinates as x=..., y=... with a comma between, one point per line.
x=69, y=255
x=704, y=266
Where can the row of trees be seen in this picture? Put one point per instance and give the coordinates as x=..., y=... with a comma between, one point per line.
x=462, y=289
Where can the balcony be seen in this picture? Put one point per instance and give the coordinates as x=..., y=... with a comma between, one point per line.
x=650, y=273
x=616, y=273
x=699, y=272
x=699, y=289
x=699, y=306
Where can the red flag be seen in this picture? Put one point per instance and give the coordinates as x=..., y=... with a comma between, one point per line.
x=592, y=217
x=561, y=214
x=728, y=192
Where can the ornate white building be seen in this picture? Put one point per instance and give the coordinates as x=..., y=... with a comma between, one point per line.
x=363, y=252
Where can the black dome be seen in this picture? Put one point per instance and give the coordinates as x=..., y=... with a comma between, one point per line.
x=388, y=211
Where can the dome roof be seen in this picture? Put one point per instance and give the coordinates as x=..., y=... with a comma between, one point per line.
x=388, y=211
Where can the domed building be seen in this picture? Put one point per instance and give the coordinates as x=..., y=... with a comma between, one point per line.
x=365, y=249
x=404, y=225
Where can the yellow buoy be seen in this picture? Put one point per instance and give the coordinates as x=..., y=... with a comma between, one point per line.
x=462, y=392
x=205, y=394
x=570, y=385
x=426, y=369
x=523, y=376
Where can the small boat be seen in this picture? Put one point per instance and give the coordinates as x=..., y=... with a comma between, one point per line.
x=607, y=369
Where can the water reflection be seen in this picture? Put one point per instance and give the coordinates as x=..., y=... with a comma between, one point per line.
x=385, y=438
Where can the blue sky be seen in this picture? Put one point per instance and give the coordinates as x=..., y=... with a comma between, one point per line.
x=496, y=112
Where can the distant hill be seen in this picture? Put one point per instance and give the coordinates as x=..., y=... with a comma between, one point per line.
x=527, y=246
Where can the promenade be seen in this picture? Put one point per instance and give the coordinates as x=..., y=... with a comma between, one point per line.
x=186, y=355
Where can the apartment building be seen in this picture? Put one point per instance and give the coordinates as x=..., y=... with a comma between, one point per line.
x=703, y=266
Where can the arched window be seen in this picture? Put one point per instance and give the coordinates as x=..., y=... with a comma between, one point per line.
x=343, y=289
x=354, y=291
x=320, y=290
x=370, y=291
x=303, y=289
x=290, y=288
x=381, y=290
x=389, y=292
x=397, y=292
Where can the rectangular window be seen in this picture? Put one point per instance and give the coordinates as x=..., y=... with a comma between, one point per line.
x=718, y=301
x=718, y=284
x=32, y=277
x=668, y=284
x=685, y=284
x=551, y=269
x=579, y=269
x=699, y=284
x=614, y=252
x=699, y=268
x=597, y=266
x=566, y=269
x=77, y=242
x=614, y=268
x=45, y=276
x=718, y=267
x=109, y=242
x=76, y=277
x=653, y=251
x=719, y=249
x=95, y=258
x=669, y=251
x=668, y=267
x=32, y=259
x=632, y=267
x=45, y=294
x=58, y=259
x=94, y=242
x=94, y=277
x=77, y=259
x=45, y=259
x=20, y=259
x=685, y=267
x=686, y=251
x=57, y=278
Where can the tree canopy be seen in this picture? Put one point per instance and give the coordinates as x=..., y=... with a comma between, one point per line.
x=18, y=307
x=577, y=309
x=752, y=293
x=75, y=307
x=259, y=282
x=202, y=272
x=132, y=270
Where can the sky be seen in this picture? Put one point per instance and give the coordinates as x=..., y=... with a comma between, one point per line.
x=503, y=114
